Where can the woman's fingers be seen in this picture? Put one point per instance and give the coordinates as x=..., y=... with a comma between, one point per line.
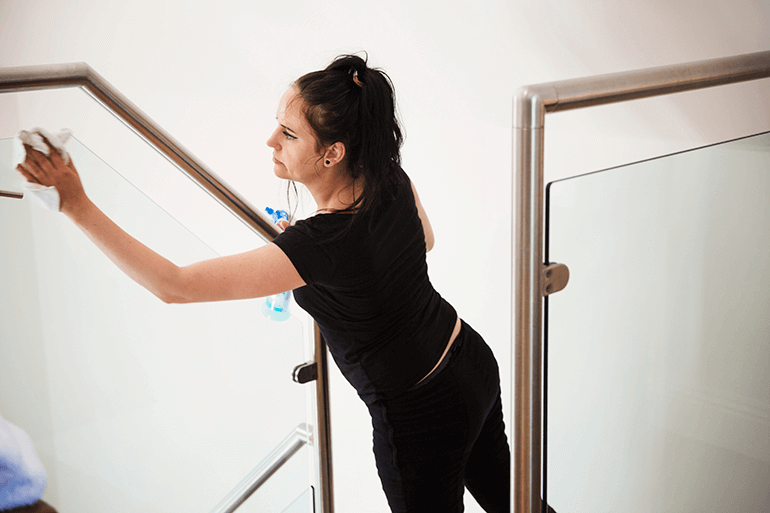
x=47, y=169
x=28, y=176
x=54, y=160
x=50, y=170
x=31, y=167
x=38, y=165
x=53, y=153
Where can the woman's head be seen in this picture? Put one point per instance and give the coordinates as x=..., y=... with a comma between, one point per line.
x=352, y=104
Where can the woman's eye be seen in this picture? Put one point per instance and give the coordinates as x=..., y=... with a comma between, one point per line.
x=288, y=135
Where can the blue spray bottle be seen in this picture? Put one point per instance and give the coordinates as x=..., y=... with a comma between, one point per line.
x=276, y=307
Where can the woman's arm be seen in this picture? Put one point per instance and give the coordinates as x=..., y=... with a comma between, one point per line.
x=256, y=273
x=426, y=227
x=260, y=272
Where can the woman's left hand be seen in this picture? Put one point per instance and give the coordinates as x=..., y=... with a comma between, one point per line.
x=283, y=224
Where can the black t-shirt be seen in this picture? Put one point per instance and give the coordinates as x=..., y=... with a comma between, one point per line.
x=368, y=290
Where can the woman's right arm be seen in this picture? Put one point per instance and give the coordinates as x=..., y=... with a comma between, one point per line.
x=426, y=227
x=260, y=272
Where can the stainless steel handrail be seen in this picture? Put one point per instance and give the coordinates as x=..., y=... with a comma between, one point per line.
x=257, y=477
x=31, y=78
x=531, y=103
x=82, y=75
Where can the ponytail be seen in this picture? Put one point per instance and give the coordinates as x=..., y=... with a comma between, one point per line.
x=349, y=102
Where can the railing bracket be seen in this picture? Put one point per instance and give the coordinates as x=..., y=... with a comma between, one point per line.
x=305, y=372
x=11, y=194
x=555, y=278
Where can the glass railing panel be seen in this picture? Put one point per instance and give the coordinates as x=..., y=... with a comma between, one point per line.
x=289, y=489
x=247, y=169
x=302, y=504
x=659, y=347
x=135, y=405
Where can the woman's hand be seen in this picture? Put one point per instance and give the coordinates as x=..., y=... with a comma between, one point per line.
x=283, y=224
x=261, y=272
x=50, y=170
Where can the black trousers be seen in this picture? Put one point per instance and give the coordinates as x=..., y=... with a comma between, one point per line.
x=445, y=435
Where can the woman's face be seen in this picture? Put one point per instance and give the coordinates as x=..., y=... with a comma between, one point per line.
x=295, y=154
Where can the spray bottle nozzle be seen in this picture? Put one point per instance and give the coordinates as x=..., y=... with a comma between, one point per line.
x=277, y=215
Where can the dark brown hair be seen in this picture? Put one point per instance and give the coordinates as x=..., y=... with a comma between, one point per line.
x=349, y=102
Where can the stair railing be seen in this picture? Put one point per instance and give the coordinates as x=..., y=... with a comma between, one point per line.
x=534, y=279
x=58, y=76
x=296, y=440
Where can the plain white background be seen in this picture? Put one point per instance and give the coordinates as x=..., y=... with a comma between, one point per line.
x=211, y=74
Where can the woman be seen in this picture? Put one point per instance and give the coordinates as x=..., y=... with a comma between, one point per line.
x=358, y=267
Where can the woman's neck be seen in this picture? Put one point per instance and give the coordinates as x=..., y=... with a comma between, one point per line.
x=336, y=195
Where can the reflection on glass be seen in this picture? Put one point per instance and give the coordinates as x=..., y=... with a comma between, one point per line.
x=659, y=347
x=135, y=405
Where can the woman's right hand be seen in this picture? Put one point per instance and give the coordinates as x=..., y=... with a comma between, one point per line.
x=257, y=273
x=51, y=170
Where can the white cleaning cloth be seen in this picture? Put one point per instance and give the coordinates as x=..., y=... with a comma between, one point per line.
x=22, y=476
x=49, y=196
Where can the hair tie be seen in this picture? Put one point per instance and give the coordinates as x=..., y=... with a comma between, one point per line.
x=356, y=80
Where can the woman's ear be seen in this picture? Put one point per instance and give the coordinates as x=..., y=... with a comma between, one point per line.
x=334, y=154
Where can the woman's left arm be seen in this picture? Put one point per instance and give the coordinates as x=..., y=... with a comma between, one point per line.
x=426, y=227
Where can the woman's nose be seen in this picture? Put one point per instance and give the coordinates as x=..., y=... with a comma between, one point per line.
x=272, y=141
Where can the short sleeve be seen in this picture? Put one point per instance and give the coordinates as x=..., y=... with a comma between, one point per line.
x=305, y=245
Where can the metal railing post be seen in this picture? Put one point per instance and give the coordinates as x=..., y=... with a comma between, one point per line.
x=529, y=117
x=323, y=438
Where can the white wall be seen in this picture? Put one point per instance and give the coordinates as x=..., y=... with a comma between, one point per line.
x=211, y=74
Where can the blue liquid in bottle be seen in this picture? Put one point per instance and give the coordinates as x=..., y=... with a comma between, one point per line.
x=276, y=307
